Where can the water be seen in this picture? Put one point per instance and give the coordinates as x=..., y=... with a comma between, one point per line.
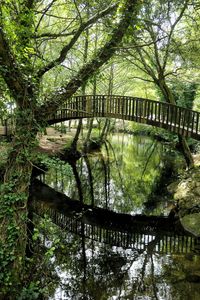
x=122, y=177
x=111, y=234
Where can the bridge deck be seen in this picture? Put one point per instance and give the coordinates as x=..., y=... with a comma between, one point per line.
x=173, y=118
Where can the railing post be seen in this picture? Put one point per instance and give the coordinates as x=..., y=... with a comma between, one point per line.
x=6, y=127
x=108, y=105
x=103, y=105
x=197, y=124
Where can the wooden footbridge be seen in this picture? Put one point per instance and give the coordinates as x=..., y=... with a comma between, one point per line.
x=173, y=118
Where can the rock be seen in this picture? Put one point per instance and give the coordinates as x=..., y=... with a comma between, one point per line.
x=188, y=190
x=191, y=223
x=172, y=187
x=187, y=194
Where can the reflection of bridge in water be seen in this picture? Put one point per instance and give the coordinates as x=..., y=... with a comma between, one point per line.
x=140, y=232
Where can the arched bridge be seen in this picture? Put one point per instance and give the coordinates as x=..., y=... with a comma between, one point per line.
x=173, y=118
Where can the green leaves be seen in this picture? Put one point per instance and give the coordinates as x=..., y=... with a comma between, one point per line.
x=31, y=292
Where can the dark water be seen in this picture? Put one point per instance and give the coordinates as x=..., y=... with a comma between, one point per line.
x=113, y=234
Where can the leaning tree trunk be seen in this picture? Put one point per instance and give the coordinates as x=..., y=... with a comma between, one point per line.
x=186, y=151
x=167, y=93
x=13, y=202
x=76, y=137
x=105, y=130
x=87, y=139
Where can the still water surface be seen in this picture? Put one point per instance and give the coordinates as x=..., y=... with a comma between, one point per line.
x=105, y=256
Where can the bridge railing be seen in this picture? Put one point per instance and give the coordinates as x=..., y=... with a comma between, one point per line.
x=6, y=126
x=174, y=118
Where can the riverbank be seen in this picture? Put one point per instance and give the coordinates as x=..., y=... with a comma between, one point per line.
x=186, y=193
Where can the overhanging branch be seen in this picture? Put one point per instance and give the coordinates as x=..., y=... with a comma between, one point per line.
x=103, y=55
x=73, y=40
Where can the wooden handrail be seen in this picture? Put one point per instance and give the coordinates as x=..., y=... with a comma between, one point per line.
x=176, y=119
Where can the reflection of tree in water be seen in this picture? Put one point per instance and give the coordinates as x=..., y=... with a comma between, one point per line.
x=113, y=187
x=120, y=177
x=123, y=176
x=93, y=270
x=92, y=177
x=77, y=181
x=136, y=171
x=96, y=271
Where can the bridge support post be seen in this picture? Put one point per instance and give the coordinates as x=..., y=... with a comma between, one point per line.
x=6, y=127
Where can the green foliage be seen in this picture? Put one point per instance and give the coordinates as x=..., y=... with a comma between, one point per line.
x=184, y=93
x=52, y=162
x=31, y=292
x=47, y=242
x=62, y=128
x=162, y=134
x=8, y=252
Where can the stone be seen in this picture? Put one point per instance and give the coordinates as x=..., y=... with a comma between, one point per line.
x=191, y=223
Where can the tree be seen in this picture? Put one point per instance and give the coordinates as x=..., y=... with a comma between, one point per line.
x=29, y=32
x=150, y=48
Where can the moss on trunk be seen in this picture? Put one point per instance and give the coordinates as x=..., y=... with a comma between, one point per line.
x=13, y=201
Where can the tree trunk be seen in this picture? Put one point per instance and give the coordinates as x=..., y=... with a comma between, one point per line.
x=186, y=151
x=90, y=127
x=167, y=93
x=76, y=137
x=13, y=203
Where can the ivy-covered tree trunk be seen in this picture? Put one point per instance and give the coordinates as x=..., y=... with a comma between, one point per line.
x=13, y=204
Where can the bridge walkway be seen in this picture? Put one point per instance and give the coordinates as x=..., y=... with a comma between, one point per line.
x=173, y=118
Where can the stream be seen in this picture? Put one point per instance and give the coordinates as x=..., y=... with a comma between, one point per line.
x=109, y=219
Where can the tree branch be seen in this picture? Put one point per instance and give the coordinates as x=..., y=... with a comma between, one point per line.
x=51, y=35
x=78, y=11
x=74, y=39
x=148, y=69
x=9, y=69
x=140, y=78
x=103, y=55
x=44, y=13
x=152, y=34
x=150, y=43
x=171, y=33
